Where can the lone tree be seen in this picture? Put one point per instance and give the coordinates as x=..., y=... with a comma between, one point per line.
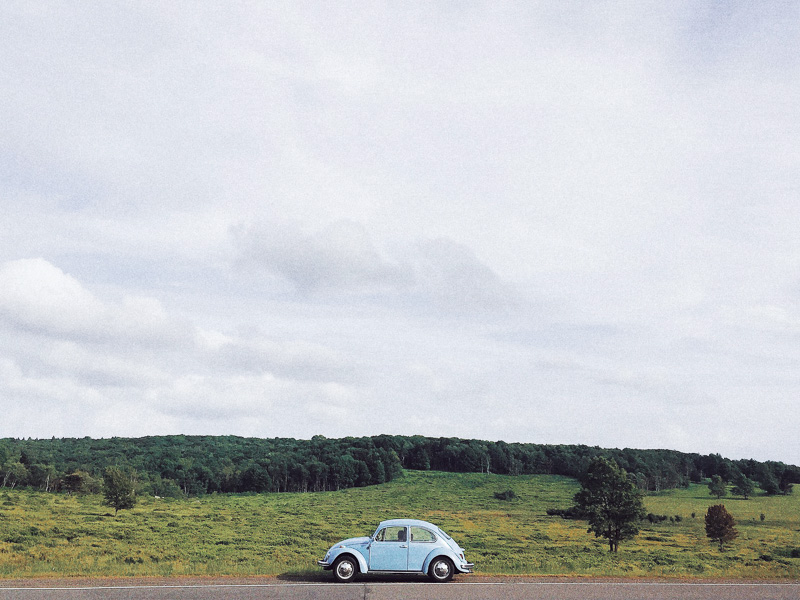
x=785, y=485
x=717, y=487
x=73, y=482
x=118, y=489
x=743, y=487
x=611, y=503
x=720, y=525
x=769, y=483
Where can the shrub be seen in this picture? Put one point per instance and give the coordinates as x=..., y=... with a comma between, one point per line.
x=653, y=518
x=572, y=512
x=507, y=495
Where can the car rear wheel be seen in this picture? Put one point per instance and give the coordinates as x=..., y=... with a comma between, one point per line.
x=441, y=570
x=345, y=569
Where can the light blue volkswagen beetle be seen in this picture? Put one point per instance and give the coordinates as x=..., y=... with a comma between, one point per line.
x=398, y=546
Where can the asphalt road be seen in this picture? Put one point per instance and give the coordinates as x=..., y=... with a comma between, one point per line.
x=375, y=589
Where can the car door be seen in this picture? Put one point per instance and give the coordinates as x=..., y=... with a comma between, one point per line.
x=389, y=549
x=422, y=541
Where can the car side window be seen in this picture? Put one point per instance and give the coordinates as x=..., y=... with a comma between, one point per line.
x=420, y=534
x=391, y=534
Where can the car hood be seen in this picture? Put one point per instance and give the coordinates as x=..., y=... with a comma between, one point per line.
x=356, y=541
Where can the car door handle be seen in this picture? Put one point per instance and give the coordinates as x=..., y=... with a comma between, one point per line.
x=403, y=546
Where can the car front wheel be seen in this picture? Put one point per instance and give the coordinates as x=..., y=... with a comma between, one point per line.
x=345, y=569
x=441, y=570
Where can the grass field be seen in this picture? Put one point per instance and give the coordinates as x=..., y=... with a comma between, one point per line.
x=57, y=535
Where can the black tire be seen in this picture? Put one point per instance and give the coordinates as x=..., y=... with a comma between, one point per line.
x=345, y=569
x=441, y=569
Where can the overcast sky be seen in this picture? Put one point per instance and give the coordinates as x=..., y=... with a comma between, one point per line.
x=537, y=222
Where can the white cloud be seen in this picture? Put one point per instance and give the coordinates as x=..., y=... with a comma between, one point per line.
x=39, y=297
x=35, y=294
x=339, y=257
x=457, y=280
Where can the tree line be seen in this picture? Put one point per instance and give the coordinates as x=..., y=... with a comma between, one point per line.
x=193, y=465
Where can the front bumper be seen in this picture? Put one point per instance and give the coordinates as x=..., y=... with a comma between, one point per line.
x=324, y=564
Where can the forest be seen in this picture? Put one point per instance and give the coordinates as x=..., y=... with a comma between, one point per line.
x=175, y=465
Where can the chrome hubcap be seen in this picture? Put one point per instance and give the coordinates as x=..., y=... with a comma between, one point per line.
x=345, y=569
x=441, y=569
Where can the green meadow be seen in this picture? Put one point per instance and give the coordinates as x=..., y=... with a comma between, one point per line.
x=45, y=534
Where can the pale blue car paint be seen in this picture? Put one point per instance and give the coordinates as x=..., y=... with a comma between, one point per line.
x=401, y=555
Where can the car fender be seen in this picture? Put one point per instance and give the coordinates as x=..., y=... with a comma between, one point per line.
x=435, y=553
x=362, y=562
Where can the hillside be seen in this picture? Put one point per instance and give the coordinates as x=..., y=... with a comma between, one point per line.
x=56, y=534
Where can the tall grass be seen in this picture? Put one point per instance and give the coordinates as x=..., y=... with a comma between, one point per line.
x=48, y=535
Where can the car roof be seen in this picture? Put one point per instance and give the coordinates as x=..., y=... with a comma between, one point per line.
x=407, y=522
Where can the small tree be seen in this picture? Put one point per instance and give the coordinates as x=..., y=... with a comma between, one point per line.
x=118, y=489
x=73, y=483
x=743, y=487
x=717, y=487
x=611, y=502
x=769, y=484
x=720, y=526
x=785, y=485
